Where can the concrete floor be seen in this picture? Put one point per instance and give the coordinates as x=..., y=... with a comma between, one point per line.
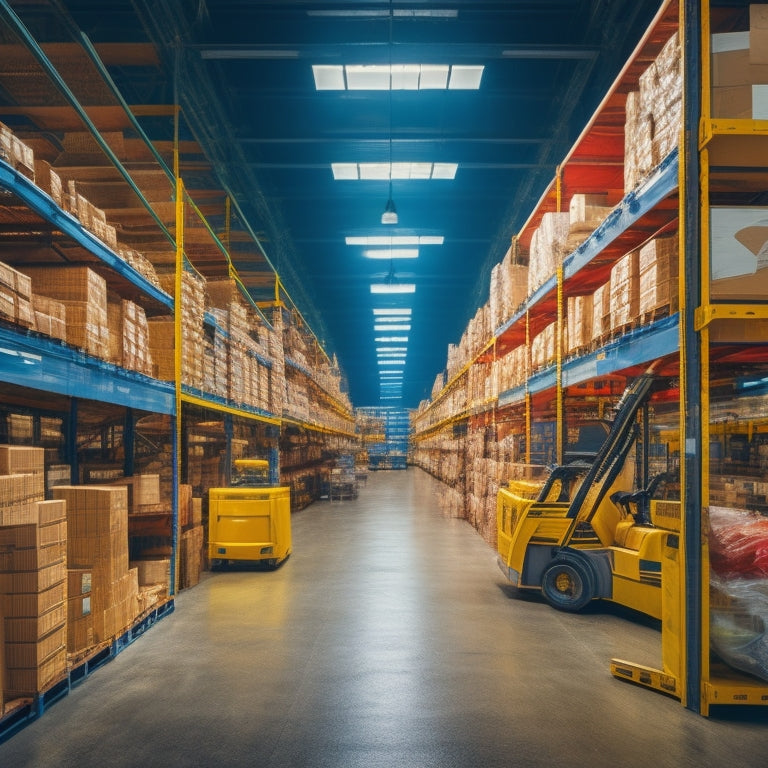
x=388, y=639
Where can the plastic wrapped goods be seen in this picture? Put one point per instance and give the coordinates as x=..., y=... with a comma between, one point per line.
x=738, y=544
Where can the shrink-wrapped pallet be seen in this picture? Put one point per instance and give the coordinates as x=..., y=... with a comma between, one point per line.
x=625, y=291
x=658, y=267
x=84, y=294
x=601, y=312
x=579, y=322
x=548, y=244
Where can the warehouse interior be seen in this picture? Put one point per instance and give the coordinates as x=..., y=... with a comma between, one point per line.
x=267, y=266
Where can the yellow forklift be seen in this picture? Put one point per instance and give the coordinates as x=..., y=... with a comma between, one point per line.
x=250, y=521
x=587, y=533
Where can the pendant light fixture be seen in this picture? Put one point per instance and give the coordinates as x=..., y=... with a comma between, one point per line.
x=390, y=212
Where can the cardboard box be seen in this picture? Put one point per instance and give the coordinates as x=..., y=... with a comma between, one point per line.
x=12, y=559
x=31, y=629
x=21, y=459
x=24, y=682
x=79, y=581
x=758, y=34
x=33, y=535
x=32, y=654
x=739, y=253
x=33, y=603
x=156, y=571
x=79, y=631
x=732, y=66
x=33, y=581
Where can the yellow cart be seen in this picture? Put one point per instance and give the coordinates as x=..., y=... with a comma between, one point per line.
x=249, y=522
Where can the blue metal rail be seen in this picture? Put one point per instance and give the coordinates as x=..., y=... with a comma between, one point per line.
x=636, y=347
x=38, y=362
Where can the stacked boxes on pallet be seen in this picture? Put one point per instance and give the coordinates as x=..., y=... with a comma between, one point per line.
x=129, y=336
x=33, y=536
x=33, y=574
x=79, y=615
x=624, y=292
x=16, y=297
x=548, y=246
x=658, y=267
x=97, y=523
x=653, y=115
x=84, y=294
x=162, y=331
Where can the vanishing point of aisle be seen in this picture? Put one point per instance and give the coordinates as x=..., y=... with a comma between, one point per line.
x=388, y=640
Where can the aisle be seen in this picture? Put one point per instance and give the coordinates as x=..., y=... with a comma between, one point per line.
x=388, y=639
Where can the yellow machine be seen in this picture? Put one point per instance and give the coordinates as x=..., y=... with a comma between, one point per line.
x=585, y=536
x=249, y=522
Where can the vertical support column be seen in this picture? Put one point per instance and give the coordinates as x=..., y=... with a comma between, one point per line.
x=71, y=443
x=174, y=503
x=228, y=435
x=690, y=362
x=527, y=390
x=129, y=443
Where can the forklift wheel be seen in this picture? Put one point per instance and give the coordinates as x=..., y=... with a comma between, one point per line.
x=568, y=584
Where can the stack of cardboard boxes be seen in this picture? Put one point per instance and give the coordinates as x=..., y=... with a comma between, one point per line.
x=97, y=541
x=84, y=294
x=33, y=534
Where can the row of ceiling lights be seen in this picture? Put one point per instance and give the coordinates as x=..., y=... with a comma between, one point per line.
x=392, y=324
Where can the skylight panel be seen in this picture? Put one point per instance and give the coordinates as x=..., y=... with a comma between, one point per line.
x=392, y=253
x=396, y=240
x=433, y=77
x=368, y=77
x=393, y=288
x=328, y=78
x=444, y=171
x=383, y=171
x=392, y=311
x=465, y=78
x=397, y=77
x=345, y=171
x=375, y=171
x=393, y=327
x=391, y=339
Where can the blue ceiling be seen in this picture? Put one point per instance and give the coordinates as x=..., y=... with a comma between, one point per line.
x=246, y=86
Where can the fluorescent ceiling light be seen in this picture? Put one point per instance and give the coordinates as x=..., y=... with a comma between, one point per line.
x=393, y=253
x=393, y=240
x=384, y=171
x=385, y=328
x=390, y=362
x=248, y=53
x=391, y=339
x=397, y=77
x=392, y=349
x=399, y=355
x=393, y=288
x=406, y=311
x=394, y=319
x=435, y=13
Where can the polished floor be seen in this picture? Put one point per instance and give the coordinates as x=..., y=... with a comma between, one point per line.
x=387, y=640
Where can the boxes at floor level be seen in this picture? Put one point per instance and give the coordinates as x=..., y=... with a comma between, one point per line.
x=191, y=555
x=79, y=616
